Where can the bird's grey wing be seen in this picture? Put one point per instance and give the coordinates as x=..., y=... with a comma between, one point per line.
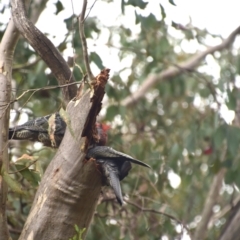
x=104, y=152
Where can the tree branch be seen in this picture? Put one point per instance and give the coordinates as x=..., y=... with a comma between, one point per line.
x=7, y=48
x=201, y=229
x=142, y=209
x=83, y=40
x=231, y=228
x=44, y=47
x=171, y=72
x=223, y=212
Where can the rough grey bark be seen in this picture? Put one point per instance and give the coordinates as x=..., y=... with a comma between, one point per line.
x=7, y=48
x=5, y=86
x=70, y=188
x=44, y=47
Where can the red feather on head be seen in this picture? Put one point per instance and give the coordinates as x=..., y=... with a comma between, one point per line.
x=102, y=130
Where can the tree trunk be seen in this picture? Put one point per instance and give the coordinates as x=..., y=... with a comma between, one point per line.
x=7, y=48
x=70, y=187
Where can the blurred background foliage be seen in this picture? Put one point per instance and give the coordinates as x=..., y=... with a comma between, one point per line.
x=177, y=127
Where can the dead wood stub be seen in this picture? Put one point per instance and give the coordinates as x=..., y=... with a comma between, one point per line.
x=96, y=99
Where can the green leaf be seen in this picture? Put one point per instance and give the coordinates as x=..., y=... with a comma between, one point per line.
x=59, y=7
x=31, y=176
x=162, y=12
x=12, y=183
x=96, y=59
x=149, y=21
x=172, y=2
x=137, y=16
x=219, y=136
x=123, y=6
x=238, y=65
x=233, y=140
x=122, y=111
x=191, y=142
x=112, y=111
x=112, y=91
x=227, y=163
x=230, y=177
x=137, y=3
x=232, y=101
x=69, y=23
x=233, y=97
x=174, y=152
x=162, y=48
x=76, y=228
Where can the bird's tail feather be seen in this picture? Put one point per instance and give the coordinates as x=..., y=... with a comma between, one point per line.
x=115, y=183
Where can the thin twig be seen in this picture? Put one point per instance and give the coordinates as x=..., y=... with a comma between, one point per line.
x=83, y=41
x=90, y=9
x=157, y=212
x=33, y=162
x=34, y=90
